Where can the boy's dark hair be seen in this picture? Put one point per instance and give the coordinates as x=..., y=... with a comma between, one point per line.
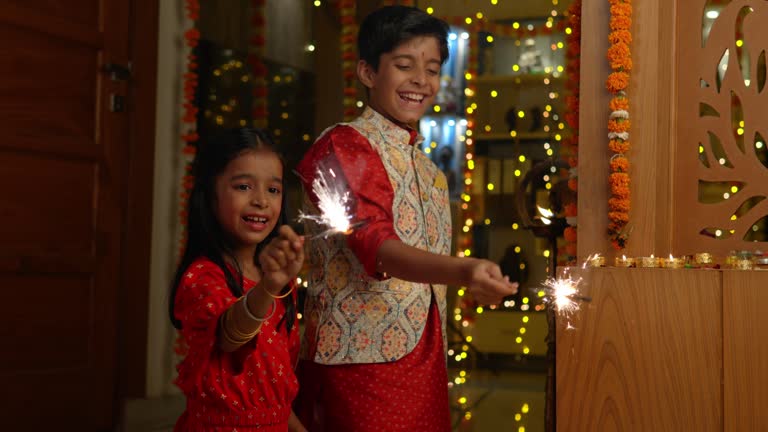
x=205, y=237
x=388, y=27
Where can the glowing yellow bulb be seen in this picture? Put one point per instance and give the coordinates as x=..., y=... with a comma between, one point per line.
x=521, y=158
x=513, y=133
x=471, y=164
x=469, y=339
x=317, y=3
x=525, y=300
x=525, y=409
x=518, y=173
x=525, y=319
x=517, y=249
x=479, y=15
x=522, y=330
x=461, y=294
x=515, y=25
x=489, y=39
x=739, y=43
x=519, y=339
x=479, y=309
x=494, y=93
x=490, y=186
x=546, y=253
x=734, y=217
x=518, y=417
x=515, y=226
x=467, y=252
x=462, y=400
x=740, y=131
x=468, y=20
x=436, y=108
x=430, y=10
x=521, y=114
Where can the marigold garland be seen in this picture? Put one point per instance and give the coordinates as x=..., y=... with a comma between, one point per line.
x=189, y=134
x=620, y=59
x=569, y=149
x=259, y=91
x=348, y=12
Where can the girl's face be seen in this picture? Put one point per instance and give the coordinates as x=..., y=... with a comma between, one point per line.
x=249, y=197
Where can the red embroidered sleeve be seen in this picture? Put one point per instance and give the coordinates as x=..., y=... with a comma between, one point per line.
x=368, y=182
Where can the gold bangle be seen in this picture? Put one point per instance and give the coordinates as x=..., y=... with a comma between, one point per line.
x=251, y=315
x=231, y=333
x=279, y=296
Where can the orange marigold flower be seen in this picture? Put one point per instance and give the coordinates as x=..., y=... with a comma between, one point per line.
x=620, y=22
x=571, y=210
x=570, y=234
x=619, y=191
x=620, y=36
x=619, y=104
x=619, y=178
x=619, y=164
x=618, y=50
x=618, y=125
x=619, y=146
x=617, y=82
x=618, y=216
x=619, y=204
x=573, y=184
x=621, y=9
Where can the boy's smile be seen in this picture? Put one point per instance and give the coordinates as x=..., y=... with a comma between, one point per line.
x=406, y=81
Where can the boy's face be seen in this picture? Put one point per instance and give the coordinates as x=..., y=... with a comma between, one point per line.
x=407, y=80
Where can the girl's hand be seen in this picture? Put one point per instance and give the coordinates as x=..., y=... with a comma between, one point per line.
x=281, y=259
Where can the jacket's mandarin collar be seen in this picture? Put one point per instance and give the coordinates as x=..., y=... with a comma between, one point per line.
x=394, y=133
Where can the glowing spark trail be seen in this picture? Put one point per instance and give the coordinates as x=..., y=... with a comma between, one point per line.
x=563, y=293
x=334, y=205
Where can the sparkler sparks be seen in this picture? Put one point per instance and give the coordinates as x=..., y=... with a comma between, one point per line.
x=334, y=205
x=563, y=293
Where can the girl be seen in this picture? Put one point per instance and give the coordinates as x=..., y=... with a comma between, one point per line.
x=233, y=297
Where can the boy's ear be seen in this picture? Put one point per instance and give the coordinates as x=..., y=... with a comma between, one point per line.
x=365, y=73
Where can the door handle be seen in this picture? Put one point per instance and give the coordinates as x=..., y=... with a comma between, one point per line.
x=117, y=72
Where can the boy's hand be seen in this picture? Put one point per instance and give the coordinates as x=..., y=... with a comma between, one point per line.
x=486, y=283
x=282, y=259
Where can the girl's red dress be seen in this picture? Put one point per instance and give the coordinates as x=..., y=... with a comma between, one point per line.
x=246, y=390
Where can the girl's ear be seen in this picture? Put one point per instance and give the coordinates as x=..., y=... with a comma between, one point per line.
x=365, y=73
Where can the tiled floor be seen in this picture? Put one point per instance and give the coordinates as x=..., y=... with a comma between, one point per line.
x=506, y=401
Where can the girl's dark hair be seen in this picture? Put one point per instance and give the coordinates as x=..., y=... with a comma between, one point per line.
x=205, y=237
x=386, y=28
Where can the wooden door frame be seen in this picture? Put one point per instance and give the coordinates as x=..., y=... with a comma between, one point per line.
x=133, y=291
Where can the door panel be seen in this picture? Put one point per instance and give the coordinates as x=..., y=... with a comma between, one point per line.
x=63, y=156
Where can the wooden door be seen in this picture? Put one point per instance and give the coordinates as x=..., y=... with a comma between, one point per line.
x=62, y=175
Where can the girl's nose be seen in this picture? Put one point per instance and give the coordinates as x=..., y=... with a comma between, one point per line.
x=259, y=200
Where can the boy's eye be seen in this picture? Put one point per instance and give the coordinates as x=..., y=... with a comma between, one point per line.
x=274, y=190
x=242, y=187
x=433, y=72
x=403, y=67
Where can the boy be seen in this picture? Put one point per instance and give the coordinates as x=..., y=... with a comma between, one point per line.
x=374, y=347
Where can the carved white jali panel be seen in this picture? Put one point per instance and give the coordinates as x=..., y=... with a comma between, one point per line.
x=721, y=155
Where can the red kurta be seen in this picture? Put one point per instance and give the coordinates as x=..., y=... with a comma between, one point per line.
x=246, y=390
x=409, y=394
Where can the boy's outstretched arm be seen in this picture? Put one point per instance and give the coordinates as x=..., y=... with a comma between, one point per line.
x=482, y=278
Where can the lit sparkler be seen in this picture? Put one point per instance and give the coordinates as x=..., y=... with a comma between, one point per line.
x=334, y=204
x=563, y=293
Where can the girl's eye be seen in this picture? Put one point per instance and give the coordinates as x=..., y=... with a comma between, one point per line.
x=403, y=67
x=274, y=190
x=242, y=187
